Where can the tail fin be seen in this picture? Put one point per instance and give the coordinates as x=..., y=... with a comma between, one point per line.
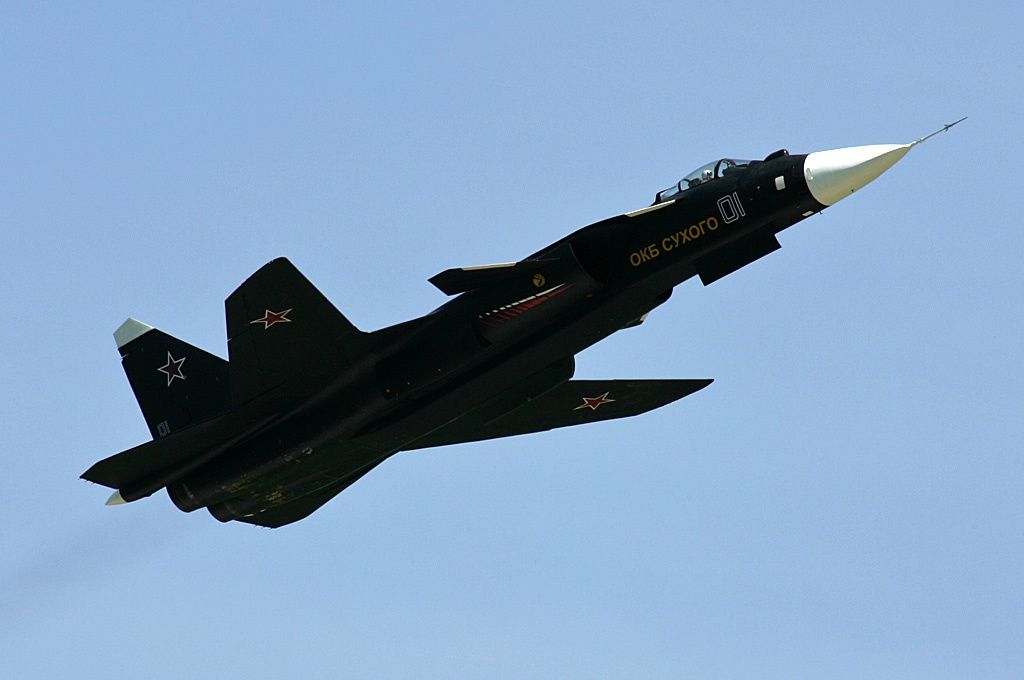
x=176, y=384
x=280, y=326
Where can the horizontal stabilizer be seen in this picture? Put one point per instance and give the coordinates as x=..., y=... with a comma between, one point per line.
x=146, y=468
x=462, y=279
x=575, y=402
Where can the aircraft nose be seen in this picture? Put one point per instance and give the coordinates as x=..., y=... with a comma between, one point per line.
x=835, y=174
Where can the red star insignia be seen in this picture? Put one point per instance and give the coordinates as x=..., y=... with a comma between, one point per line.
x=593, y=402
x=172, y=369
x=270, y=318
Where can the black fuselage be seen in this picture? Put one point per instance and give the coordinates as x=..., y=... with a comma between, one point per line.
x=422, y=375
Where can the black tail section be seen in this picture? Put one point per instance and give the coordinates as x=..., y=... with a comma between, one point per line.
x=176, y=384
x=279, y=327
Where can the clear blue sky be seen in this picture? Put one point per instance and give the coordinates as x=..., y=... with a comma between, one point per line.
x=845, y=501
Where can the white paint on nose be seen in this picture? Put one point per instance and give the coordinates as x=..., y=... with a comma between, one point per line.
x=835, y=174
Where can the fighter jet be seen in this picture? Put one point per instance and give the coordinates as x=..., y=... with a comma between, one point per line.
x=307, y=403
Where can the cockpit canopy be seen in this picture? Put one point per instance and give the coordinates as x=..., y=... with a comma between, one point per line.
x=704, y=173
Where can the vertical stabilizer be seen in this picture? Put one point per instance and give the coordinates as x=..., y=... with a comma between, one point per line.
x=176, y=384
x=279, y=327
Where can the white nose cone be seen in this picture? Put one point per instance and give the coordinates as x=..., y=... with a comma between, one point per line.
x=835, y=174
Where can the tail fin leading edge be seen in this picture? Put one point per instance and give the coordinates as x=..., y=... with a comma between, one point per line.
x=176, y=384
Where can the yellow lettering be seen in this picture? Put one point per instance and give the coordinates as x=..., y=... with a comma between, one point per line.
x=645, y=254
x=673, y=241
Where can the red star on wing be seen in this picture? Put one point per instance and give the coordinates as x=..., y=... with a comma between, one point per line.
x=172, y=369
x=593, y=402
x=270, y=318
